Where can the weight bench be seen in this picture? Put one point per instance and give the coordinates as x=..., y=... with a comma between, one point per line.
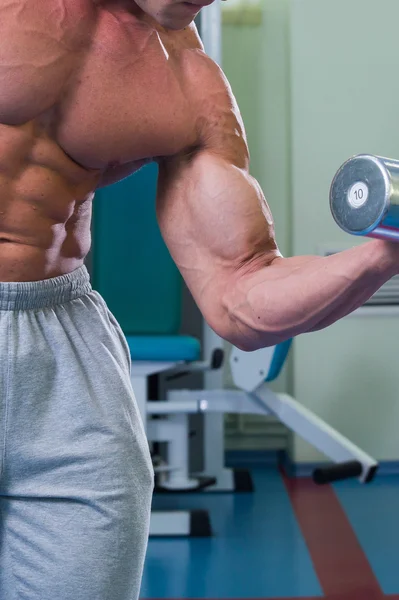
x=134, y=272
x=252, y=373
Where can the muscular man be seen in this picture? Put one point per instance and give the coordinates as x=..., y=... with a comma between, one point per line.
x=90, y=91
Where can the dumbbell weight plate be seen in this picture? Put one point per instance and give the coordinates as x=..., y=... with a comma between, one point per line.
x=364, y=196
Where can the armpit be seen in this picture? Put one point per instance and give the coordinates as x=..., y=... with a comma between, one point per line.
x=116, y=173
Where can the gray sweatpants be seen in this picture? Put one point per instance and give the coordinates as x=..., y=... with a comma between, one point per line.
x=75, y=472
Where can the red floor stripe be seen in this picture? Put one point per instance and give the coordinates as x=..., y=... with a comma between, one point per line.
x=342, y=568
x=339, y=561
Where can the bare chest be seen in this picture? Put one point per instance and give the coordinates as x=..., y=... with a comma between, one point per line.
x=107, y=92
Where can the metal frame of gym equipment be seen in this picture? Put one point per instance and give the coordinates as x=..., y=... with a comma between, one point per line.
x=167, y=421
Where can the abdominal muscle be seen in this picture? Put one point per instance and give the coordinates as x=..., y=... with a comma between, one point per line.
x=20, y=262
x=45, y=207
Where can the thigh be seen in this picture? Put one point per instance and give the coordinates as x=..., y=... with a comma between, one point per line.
x=77, y=480
x=71, y=419
x=69, y=550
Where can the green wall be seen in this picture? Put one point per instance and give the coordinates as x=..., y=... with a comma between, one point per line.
x=344, y=100
x=317, y=82
x=256, y=62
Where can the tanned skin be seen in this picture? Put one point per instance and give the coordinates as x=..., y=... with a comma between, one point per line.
x=91, y=91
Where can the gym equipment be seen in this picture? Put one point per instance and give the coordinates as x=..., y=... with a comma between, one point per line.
x=252, y=373
x=364, y=197
x=167, y=421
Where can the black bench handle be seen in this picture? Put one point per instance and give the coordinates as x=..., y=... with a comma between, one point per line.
x=338, y=472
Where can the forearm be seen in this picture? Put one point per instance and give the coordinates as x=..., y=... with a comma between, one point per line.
x=289, y=297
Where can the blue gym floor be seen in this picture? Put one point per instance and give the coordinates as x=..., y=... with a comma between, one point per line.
x=289, y=539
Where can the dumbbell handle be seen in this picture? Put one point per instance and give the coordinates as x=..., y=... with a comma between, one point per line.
x=341, y=471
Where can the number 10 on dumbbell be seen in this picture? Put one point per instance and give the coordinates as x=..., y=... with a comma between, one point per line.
x=364, y=197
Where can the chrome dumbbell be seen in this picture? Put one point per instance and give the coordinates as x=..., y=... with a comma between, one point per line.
x=364, y=197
